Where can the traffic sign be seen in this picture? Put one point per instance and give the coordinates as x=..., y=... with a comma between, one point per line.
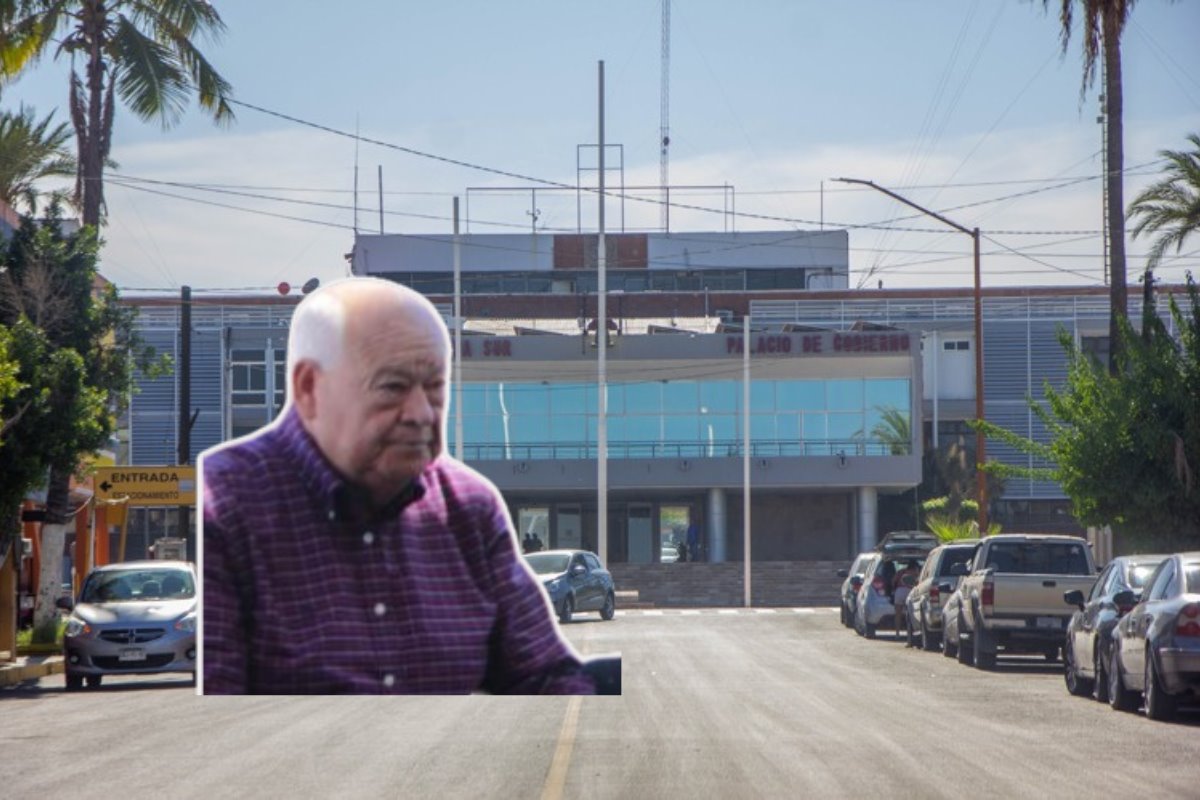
x=147, y=486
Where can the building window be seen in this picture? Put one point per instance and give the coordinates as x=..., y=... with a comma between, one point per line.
x=956, y=344
x=1096, y=347
x=248, y=377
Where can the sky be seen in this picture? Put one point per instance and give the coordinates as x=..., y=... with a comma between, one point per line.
x=967, y=107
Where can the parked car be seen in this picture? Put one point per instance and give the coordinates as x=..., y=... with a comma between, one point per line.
x=849, y=590
x=883, y=576
x=934, y=587
x=1010, y=598
x=1087, y=649
x=136, y=617
x=1156, y=646
x=576, y=581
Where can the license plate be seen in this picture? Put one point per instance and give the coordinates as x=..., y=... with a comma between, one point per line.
x=1049, y=622
x=132, y=654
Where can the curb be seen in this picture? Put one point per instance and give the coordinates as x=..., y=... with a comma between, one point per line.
x=30, y=669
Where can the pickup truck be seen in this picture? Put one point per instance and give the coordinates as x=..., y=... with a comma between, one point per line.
x=1010, y=596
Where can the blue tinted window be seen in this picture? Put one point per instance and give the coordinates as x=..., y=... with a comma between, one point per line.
x=681, y=397
x=844, y=395
x=643, y=398
x=762, y=396
x=718, y=396
x=800, y=395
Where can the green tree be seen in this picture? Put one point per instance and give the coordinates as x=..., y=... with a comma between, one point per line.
x=1126, y=446
x=51, y=281
x=1170, y=207
x=1103, y=24
x=31, y=150
x=143, y=51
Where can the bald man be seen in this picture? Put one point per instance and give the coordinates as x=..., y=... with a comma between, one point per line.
x=343, y=551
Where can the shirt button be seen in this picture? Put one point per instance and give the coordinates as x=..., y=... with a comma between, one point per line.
x=389, y=680
x=380, y=609
x=368, y=537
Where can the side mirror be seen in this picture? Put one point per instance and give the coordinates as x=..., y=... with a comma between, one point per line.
x=64, y=604
x=945, y=587
x=843, y=573
x=578, y=569
x=958, y=568
x=1074, y=598
x=856, y=582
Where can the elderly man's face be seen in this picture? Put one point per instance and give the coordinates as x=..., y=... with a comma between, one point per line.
x=379, y=410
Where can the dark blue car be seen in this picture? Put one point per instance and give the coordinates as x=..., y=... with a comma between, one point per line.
x=576, y=581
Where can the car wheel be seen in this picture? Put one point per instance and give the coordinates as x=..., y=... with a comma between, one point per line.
x=868, y=629
x=93, y=681
x=1159, y=705
x=1120, y=698
x=74, y=682
x=1076, y=685
x=949, y=643
x=568, y=608
x=966, y=650
x=927, y=640
x=609, y=609
x=1100, y=684
x=981, y=651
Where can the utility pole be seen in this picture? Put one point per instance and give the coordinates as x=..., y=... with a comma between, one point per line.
x=185, y=392
x=980, y=439
x=602, y=358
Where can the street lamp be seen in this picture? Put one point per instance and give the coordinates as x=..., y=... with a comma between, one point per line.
x=980, y=440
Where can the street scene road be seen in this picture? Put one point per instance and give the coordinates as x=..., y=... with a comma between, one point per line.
x=717, y=703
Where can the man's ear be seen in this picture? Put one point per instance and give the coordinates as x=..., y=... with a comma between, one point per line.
x=304, y=388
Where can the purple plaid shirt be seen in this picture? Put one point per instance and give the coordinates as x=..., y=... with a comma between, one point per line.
x=303, y=594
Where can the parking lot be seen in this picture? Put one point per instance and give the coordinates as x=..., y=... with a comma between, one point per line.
x=716, y=703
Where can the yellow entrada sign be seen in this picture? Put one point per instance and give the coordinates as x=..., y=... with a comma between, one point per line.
x=147, y=486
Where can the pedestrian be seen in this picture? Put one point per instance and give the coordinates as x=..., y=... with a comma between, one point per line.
x=527, y=543
x=537, y=545
x=344, y=551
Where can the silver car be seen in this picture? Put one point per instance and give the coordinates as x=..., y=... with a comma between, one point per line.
x=1156, y=646
x=136, y=617
x=934, y=585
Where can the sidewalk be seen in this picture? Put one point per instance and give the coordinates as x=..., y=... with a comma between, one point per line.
x=29, y=668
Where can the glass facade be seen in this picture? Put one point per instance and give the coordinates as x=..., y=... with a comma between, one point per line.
x=685, y=419
x=617, y=280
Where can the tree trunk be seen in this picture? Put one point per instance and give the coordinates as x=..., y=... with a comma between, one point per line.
x=1115, y=182
x=54, y=535
x=92, y=140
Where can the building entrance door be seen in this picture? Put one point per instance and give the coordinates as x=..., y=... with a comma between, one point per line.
x=640, y=533
x=568, y=528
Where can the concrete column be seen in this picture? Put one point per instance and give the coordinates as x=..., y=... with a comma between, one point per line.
x=868, y=518
x=717, y=523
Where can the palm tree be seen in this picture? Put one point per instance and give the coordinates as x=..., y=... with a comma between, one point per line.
x=31, y=151
x=141, y=50
x=893, y=430
x=1103, y=23
x=1170, y=207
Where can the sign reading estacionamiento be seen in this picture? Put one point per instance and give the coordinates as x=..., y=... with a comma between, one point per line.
x=147, y=486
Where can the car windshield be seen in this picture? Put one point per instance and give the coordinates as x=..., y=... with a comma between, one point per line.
x=1137, y=574
x=134, y=585
x=1039, y=558
x=959, y=555
x=548, y=563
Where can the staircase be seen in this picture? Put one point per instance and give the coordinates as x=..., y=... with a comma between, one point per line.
x=700, y=585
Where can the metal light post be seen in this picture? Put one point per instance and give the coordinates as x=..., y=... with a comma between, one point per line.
x=980, y=439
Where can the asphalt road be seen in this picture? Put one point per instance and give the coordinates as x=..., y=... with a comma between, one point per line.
x=733, y=704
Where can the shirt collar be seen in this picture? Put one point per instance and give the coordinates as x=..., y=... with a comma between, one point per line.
x=339, y=499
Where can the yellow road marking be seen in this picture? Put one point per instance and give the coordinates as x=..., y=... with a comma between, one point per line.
x=556, y=778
